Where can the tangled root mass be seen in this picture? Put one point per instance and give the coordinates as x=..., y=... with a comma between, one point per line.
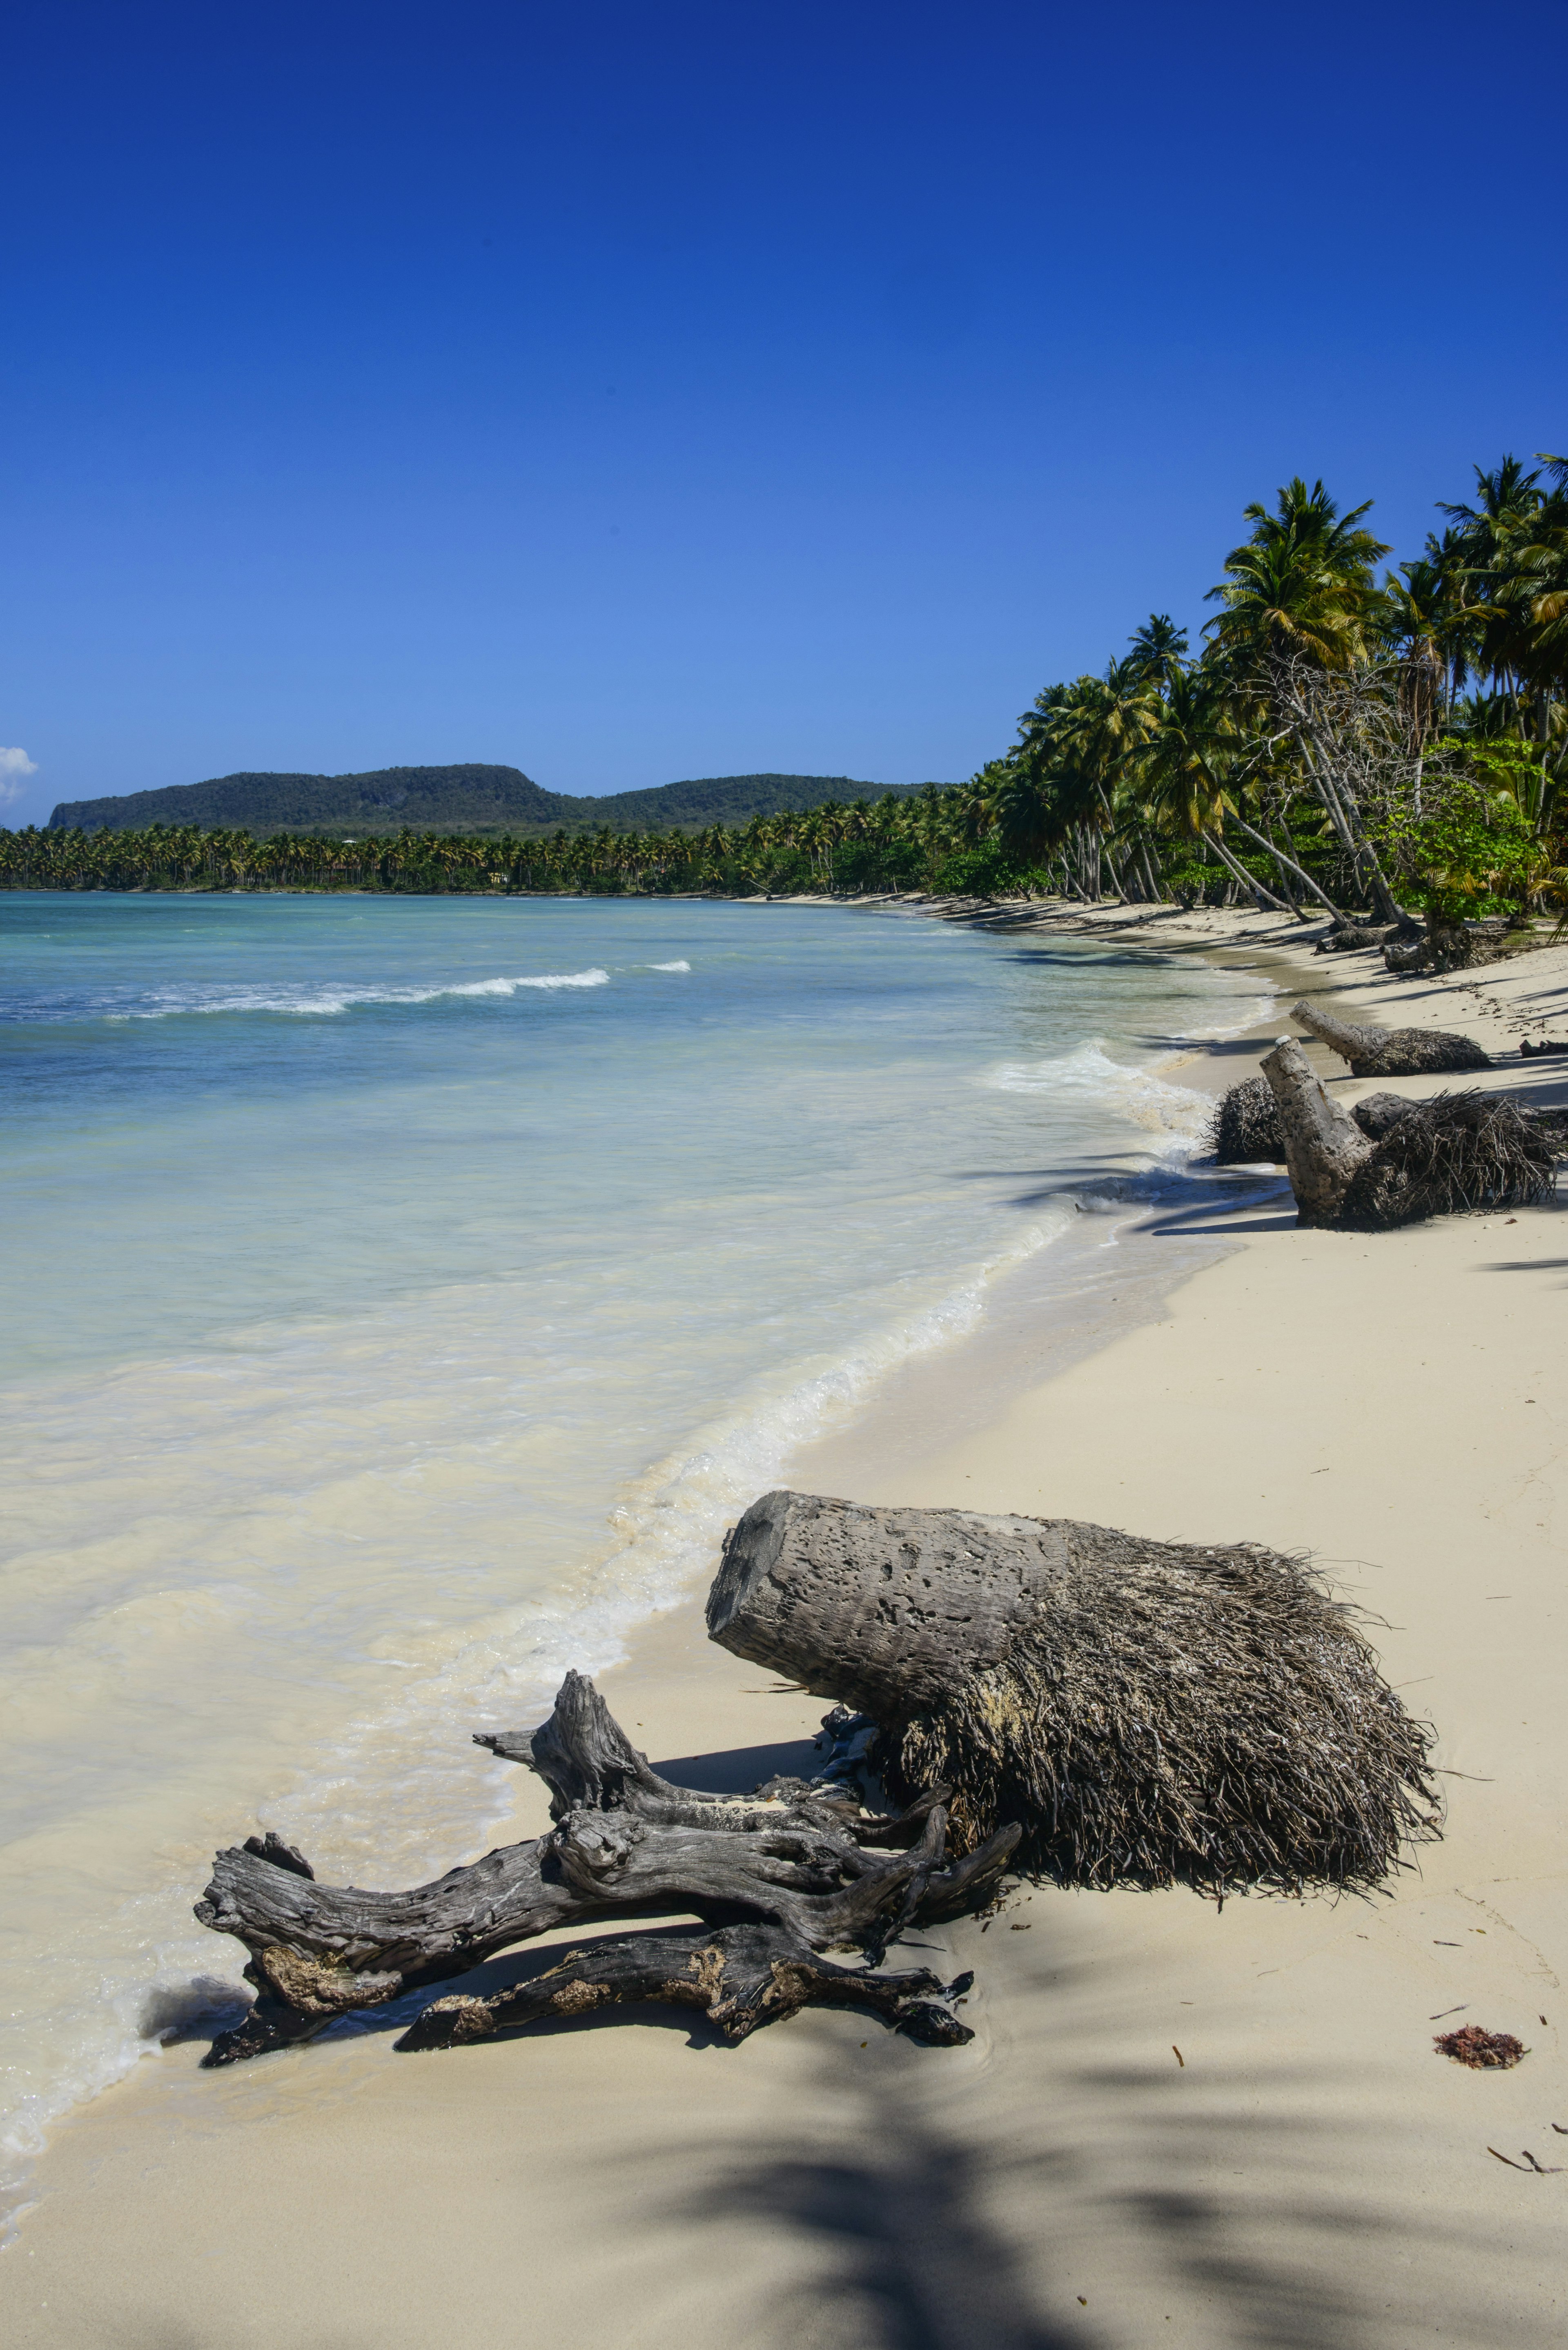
x=1244, y=1127
x=1455, y=1154
x=1174, y=1714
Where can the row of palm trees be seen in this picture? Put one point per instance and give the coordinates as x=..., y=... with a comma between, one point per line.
x=1335, y=741
x=1334, y=731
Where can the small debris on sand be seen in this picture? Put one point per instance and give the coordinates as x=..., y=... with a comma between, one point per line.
x=1483, y=2050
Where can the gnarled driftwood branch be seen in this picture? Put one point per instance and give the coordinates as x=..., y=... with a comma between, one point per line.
x=799, y=1858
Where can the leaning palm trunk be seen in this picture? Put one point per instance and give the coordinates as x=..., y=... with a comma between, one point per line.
x=1239, y=873
x=1337, y=723
x=1345, y=815
x=1288, y=865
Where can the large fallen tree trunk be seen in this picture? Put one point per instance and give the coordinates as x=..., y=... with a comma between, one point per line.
x=800, y=1862
x=1148, y=1710
x=1392, y=1052
x=1459, y=1154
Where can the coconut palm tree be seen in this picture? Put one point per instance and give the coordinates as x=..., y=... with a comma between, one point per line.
x=1302, y=587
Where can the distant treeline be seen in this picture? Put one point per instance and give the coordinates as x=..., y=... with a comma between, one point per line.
x=887, y=844
x=1337, y=744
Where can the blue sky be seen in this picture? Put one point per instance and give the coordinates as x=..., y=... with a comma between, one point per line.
x=631, y=392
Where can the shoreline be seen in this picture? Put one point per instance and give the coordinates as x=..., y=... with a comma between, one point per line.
x=1309, y=2171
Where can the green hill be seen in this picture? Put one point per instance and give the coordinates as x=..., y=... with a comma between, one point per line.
x=466, y=799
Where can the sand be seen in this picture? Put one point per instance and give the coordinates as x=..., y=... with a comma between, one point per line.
x=1305, y=2172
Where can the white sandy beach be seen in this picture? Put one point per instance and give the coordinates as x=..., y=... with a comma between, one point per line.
x=1306, y=2171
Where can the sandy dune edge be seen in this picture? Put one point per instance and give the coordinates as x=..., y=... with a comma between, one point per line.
x=1310, y=2174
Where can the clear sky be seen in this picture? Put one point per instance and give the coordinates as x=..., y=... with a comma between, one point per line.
x=635, y=393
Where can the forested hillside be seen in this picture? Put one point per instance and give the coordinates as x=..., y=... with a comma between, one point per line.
x=472, y=800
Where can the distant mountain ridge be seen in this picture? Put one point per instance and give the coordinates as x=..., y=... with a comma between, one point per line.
x=474, y=798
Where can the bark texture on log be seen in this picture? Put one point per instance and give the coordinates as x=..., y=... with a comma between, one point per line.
x=1323, y=1145
x=1374, y=1052
x=880, y=1608
x=1149, y=1711
x=799, y=1856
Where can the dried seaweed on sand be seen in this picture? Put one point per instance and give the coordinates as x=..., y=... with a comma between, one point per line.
x=1484, y=2051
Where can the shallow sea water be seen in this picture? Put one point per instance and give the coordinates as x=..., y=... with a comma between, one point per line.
x=400, y=1296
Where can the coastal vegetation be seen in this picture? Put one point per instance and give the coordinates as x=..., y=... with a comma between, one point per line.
x=1335, y=744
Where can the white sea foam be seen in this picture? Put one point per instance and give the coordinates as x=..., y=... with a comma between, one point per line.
x=396, y=1787
x=1122, y=1088
x=668, y=966
x=329, y=1001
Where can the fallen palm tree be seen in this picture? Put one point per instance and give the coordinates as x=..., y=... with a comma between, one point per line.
x=1398, y=1163
x=1374, y=1052
x=798, y=1868
x=1149, y=1711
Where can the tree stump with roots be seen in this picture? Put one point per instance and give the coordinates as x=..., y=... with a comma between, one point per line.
x=1150, y=1712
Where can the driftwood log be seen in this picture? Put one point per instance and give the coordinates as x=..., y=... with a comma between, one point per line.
x=1149, y=1711
x=1347, y=938
x=1392, y=1052
x=797, y=1868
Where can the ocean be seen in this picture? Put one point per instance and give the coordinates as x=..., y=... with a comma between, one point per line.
x=402, y=1295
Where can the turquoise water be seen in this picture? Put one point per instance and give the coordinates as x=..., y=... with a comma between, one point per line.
x=400, y=1298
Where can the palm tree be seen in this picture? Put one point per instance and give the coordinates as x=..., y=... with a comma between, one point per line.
x=1300, y=603
x=1159, y=648
x=1300, y=587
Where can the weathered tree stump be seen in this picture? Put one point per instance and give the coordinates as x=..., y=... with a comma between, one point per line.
x=1323, y=1145
x=800, y=1862
x=1148, y=1710
x=1392, y=1052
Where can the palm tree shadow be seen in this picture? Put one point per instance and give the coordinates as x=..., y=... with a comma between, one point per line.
x=936, y=2216
x=902, y=2239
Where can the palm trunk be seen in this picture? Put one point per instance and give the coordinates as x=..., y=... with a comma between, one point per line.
x=1288, y=865
x=1239, y=873
x=1345, y=815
